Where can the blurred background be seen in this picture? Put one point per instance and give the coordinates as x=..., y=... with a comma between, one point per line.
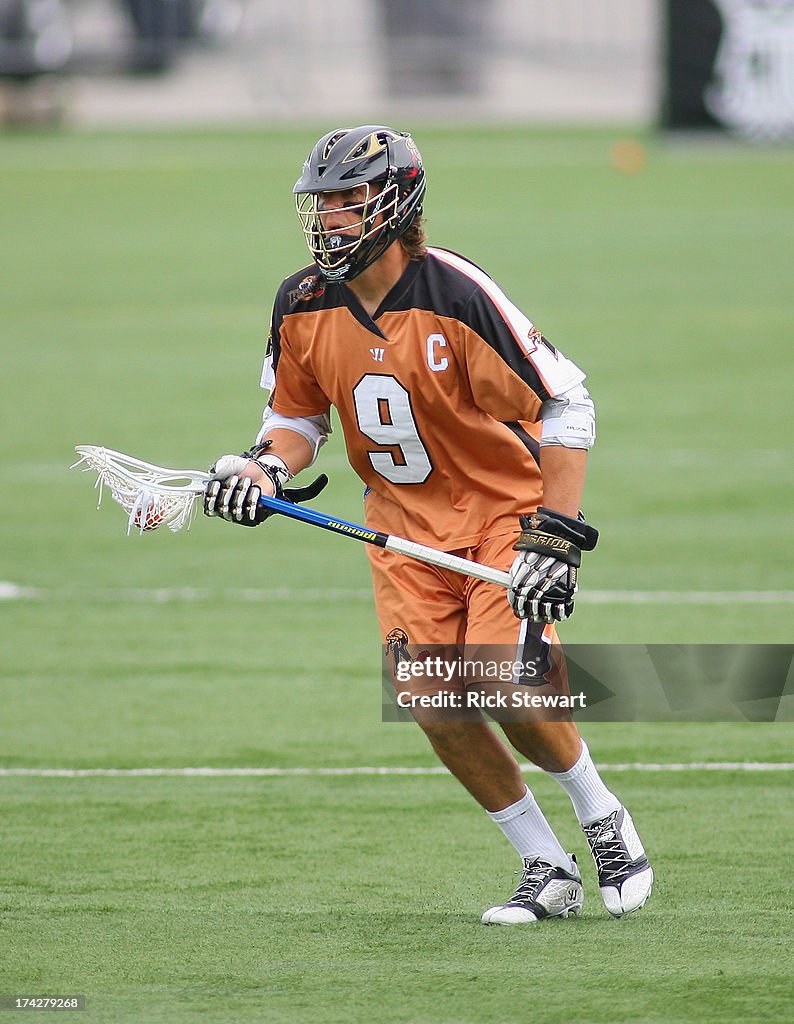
x=679, y=63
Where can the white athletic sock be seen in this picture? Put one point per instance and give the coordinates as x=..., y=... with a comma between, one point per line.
x=590, y=797
x=527, y=829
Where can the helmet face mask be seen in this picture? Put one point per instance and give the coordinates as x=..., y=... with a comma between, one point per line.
x=337, y=250
x=387, y=167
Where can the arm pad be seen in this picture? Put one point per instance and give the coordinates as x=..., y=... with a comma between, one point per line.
x=569, y=419
x=314, y=428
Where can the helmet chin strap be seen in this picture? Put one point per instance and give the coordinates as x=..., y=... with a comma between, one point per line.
x=339, y=246
x=378, y=244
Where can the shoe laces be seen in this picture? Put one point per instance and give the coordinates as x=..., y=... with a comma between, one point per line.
x=533, y=878
x=609, y=852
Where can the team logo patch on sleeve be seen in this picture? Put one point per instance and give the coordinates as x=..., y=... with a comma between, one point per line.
x=535, y=338
x=309, y=288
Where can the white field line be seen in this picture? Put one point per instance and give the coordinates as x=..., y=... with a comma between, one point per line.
x=169, y=595
x=224, y=773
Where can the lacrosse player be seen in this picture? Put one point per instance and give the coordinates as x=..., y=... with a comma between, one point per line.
x=470, y=432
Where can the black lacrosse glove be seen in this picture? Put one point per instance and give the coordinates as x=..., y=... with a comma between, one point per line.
x=543, y=575
x=236, y=498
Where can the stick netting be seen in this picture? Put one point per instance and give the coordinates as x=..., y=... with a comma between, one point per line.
x=151, y=495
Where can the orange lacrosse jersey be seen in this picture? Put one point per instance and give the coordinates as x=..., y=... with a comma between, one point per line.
x=438, y=394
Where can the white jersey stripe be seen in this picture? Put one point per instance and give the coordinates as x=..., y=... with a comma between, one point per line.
x=557, y=373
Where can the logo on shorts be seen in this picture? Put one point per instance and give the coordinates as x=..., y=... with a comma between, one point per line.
x=397, y=646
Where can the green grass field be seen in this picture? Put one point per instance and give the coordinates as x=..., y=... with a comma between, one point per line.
x=137, y=273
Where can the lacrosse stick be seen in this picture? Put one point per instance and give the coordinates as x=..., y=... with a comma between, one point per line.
x=153, y=497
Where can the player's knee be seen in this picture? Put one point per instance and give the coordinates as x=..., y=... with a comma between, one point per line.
x=445, y=735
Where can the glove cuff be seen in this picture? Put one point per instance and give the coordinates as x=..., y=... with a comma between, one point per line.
x=272, y=465
x=555, y=535
x=277, y=470
x=577, y=531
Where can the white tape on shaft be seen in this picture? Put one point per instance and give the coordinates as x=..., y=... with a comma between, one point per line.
x=446, y=561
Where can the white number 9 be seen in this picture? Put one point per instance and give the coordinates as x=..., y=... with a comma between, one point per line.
x=385, y=416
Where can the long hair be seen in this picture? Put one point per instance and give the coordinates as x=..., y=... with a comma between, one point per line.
x=414, y=239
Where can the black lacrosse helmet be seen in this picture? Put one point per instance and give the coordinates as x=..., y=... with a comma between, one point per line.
x=390, y=165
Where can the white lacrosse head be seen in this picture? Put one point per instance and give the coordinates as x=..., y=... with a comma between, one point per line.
x=153, y=496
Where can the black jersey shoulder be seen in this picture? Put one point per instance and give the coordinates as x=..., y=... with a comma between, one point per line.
x=465, y=292
x=431, y=284
x=305, y=291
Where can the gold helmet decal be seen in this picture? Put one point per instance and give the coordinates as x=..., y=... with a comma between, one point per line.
x=370, y=146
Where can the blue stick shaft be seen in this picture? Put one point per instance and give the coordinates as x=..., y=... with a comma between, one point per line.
x=386, y=540
x=315, y=518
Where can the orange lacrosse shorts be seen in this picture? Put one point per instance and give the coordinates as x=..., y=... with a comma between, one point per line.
x=440, y=612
